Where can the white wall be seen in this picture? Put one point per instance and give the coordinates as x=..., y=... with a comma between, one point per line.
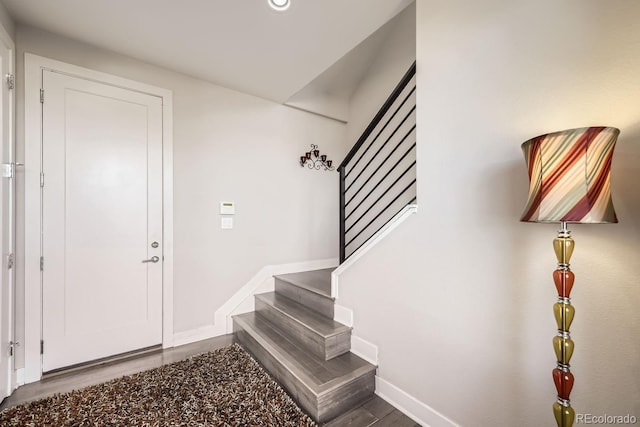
x=330, y=92
x=459, y=298
x=393, y=60
x=6, y=21
x=227, y=146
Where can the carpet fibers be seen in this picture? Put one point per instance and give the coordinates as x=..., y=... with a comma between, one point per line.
x=225, y=387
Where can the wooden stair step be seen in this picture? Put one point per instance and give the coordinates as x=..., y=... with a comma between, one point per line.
x=318, y=281
x=310, y=288
x=325, y=389
x=320, y=335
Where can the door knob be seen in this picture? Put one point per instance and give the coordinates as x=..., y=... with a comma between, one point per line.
x=152, y=259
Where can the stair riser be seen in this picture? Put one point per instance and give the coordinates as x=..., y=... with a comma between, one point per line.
x=324, y=348
x=313, y=301
x=321, y=408
x=337, y=345
x=352, y=395
x=302, y=395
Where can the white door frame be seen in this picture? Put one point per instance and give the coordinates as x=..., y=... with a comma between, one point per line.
x=6, y=39
x=33, y=66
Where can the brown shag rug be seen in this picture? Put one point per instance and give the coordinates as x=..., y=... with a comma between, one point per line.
x=225, y=387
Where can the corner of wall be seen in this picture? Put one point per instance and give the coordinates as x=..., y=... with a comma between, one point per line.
x=7, y=22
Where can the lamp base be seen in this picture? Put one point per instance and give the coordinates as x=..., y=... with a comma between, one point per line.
x=564, y=312
x=565, y=415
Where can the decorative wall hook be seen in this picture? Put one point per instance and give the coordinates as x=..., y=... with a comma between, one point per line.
x=314, y=160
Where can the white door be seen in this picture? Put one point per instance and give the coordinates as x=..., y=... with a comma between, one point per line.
x=101, y=220
x=7, y=223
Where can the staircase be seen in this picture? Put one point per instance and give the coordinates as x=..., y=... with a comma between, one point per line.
x=293, y=335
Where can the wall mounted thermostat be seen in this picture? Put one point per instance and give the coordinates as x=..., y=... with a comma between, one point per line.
x=227, y=208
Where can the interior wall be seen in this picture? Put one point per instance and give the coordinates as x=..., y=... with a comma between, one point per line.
x=465, y=288
x=6, y=22
x=228, y=146
x=330, y=92
x=391, y=63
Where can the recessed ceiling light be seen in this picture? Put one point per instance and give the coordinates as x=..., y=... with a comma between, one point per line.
x=280, y=4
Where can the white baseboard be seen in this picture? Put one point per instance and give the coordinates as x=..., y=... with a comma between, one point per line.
x=343, y=315
x=364, y=349
x=410, y=406
x=193, y=335
x=248, y=304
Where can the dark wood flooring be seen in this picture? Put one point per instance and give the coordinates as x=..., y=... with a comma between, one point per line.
x=375, y=412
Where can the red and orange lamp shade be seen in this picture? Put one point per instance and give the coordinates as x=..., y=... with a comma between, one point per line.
x=569, y=176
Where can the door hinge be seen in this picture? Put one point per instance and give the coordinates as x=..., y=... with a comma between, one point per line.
x=9, y=169
x=41, y=346
x=10, y=261
x=42, y=96
x=41, y=179
x=41, y=263
x=11, y=81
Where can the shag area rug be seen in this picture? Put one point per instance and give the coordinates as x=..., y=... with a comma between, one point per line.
x=225, y=387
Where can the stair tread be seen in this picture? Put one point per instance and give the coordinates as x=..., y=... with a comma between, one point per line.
x=318, y=281
x=319, y=376
x=321, y=325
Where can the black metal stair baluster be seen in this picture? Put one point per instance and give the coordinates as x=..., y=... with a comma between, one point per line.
x=397, y=112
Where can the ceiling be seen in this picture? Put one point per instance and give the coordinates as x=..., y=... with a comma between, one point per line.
x=239, y=44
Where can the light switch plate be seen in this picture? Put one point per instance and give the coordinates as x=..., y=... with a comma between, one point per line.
x=226, y=223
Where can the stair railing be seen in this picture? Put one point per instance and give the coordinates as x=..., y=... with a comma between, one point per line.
x=378, y=175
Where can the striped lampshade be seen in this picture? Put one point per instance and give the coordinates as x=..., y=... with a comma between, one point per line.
x=569, y=176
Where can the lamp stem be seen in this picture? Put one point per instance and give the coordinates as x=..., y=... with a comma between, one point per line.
x=564, y=313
